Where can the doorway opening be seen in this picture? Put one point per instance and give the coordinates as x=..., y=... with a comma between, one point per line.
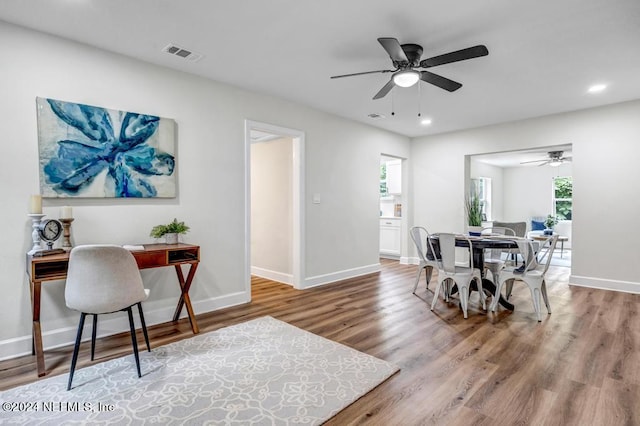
x=274, y=199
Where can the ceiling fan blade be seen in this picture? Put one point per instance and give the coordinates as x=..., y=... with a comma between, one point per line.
x=361, y=73
x=534, y=161
x=393, y=48
x=458, y=55
x=441, y=82
x=385, y=89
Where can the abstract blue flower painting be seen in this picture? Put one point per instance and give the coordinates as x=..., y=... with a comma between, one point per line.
x=88, y=151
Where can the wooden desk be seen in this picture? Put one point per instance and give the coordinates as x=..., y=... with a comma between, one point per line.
x=54, y=267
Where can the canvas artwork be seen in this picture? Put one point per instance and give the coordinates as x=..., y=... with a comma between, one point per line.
x=89, y=151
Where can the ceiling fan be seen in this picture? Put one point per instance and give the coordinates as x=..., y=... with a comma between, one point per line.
x=406, y=58
x=555, y=159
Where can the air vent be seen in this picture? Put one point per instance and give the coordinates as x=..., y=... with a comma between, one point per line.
x=183, y=53
x=375, y=116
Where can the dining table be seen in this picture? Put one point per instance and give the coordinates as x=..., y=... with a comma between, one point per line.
x=478, y=246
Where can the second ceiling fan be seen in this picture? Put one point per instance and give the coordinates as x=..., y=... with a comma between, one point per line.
x=406, y=58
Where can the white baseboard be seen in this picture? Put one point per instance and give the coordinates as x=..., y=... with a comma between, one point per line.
x=272, y=275
x=410, y=260
x=341, y=275
x=113, y=324
x=604, y=284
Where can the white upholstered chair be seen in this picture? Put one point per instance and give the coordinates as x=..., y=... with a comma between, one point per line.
x=103, y=279
x=460, y=275
x=532, y=273
x=419, y=235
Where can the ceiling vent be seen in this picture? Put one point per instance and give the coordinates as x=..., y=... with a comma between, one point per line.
x=183, y=53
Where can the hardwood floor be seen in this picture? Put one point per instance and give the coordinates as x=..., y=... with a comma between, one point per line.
x=579, y=366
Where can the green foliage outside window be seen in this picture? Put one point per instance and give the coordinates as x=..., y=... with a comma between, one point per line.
x=563, y=193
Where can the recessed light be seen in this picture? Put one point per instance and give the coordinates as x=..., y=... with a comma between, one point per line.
x=597, y=88
x=425, y=121
x=375, y=116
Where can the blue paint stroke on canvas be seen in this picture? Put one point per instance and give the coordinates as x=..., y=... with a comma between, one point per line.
x=129, y=159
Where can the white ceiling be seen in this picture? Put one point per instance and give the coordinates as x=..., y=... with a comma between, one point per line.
x=543, y=55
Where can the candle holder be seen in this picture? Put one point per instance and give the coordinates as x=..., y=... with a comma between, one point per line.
x=66, y=233
x=36, y=218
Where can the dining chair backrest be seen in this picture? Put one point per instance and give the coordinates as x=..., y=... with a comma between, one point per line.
x=498, y=230
x=447, y=245
x=102, y=278
x=419, y=235
x=545, y=252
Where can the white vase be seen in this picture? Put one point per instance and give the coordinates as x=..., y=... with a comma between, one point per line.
x=171, y=238
x=475, y=231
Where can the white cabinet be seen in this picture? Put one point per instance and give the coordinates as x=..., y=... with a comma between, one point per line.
x=390, y=236
x=394, y=177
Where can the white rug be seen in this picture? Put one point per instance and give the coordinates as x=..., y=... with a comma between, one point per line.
x=261, y=372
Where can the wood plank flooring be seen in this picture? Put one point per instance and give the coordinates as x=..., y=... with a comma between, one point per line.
x=579, y=366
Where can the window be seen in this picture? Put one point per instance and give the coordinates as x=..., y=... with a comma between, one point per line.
x=482, y=188
x=562, y=197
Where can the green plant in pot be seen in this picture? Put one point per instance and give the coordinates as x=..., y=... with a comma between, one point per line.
x=169, y=231
x=473, y=206
x=549, y=223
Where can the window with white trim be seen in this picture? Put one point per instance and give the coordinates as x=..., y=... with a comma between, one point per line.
x=563, y=197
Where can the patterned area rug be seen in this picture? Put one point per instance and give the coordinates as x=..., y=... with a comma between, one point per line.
x=261, y=372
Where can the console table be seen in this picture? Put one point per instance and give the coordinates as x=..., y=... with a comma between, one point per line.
x=54, y=267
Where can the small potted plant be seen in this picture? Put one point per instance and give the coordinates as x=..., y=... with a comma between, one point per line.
x=549, y=223
x=169, y=231
x=474, y=215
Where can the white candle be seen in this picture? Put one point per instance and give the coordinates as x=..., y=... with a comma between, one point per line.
x=35, y=204
x=65, y=212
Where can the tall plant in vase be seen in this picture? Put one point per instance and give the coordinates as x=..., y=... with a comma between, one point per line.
x=473, y=206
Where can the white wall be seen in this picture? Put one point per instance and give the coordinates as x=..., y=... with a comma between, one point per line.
x=605, y=176
x=477, y=170
x=342, y=164
x=272, y=209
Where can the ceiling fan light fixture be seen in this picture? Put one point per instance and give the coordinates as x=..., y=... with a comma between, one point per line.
x=406, y=78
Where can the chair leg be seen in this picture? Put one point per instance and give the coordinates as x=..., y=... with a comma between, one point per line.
x=508, y=290
x=144, y=326
x=93, y=336
x=415, y=287
x=463, y=292
x=428, y=272
x=436, y=292
x=134, y=341
x=76, y=349
x=544, y=295
x=535, y=295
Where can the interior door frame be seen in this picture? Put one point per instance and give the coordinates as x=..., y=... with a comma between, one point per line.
x=297, y=200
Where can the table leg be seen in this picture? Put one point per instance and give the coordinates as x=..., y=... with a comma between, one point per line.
x=36, y=331
x=185, y=300
x=561, y=249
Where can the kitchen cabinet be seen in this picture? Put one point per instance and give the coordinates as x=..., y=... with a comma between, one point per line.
x=390, y=236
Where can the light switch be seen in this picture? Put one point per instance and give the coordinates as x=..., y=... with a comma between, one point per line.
x=316, y=198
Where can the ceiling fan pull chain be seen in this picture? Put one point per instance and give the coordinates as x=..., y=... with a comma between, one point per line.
x=393, y=97
x=419, y=101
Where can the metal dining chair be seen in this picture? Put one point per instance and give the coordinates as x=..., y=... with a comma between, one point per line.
x=532, y=273
x=420, y=235
x=462, y=276
x=104, y=279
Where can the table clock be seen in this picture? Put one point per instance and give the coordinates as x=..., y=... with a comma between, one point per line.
x=50, y=230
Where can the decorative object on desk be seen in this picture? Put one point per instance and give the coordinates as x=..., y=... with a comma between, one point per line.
x=550, y=222
x=36, y=218
x=170, y=231
x=66, y=233
x=35, y=204
x=473, y=207
x=66, y=212
x=262, y=371
x=50, y=230
x=78, y=143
